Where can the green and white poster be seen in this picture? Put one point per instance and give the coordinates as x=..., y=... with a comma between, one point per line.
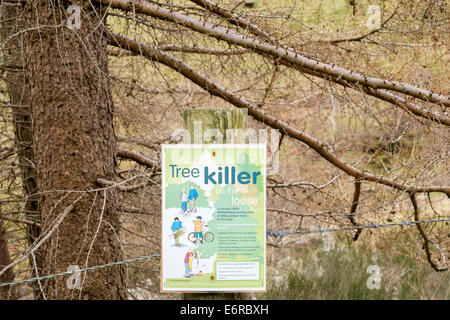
x=213, y=218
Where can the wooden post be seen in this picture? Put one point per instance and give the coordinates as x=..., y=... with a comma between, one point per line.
x=210, y=126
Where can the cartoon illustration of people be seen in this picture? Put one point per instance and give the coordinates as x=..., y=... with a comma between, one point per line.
x=196, y=257
x=177, y=229
x=198, y=229
x=193, y=195
x=191, y=258
x=187, y=257
x=184, y=200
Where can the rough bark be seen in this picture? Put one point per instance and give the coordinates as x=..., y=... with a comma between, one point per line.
x=74, y=145
x=19, y=94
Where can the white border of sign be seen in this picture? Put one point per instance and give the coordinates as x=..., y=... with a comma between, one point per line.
x=211, y=146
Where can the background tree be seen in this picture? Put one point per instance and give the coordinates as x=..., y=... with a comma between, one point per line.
x=362, y=112
x=5, y=259
x=13, y=38
x=74, y=144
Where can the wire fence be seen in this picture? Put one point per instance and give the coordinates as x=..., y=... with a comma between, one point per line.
x=111, y=264
x=281, y=233
x=269, y=232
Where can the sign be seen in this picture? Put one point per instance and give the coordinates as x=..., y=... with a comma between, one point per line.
x=213, y=218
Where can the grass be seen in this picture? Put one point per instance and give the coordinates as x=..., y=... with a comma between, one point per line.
x=318, y=272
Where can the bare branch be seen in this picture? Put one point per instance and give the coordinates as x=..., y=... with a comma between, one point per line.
x=24, y=221
x=139, y=211
x=299, y=214
x=233, y=18
x=231, y=97
x=301, y=183
x=288, y=55
x=139, y=141
x=426, y=241
x=361, y=37
x=44, y=235
x=354, y=206
x=139, y=158
x=109, y=183
x=186, y=49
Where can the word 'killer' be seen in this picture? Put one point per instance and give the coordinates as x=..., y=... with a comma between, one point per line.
x=227, y=175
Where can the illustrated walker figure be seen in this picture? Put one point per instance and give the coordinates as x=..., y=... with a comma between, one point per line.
x=177, y=229
x=193, y=195
x=184, y=200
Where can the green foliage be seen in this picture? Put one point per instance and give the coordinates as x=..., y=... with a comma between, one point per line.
x=341, y=273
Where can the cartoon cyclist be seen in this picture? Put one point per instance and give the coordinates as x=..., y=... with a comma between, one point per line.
x=198, y=229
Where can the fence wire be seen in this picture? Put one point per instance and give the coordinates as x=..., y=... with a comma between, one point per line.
x=269, y=232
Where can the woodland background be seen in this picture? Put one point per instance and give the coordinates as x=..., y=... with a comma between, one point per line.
x=362, y=114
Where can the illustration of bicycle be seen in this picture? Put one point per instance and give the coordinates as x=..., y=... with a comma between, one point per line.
x=207, y=236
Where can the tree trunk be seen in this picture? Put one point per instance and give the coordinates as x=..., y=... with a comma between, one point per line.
x=19, y=93
x=74, y=144
x=8, y=276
